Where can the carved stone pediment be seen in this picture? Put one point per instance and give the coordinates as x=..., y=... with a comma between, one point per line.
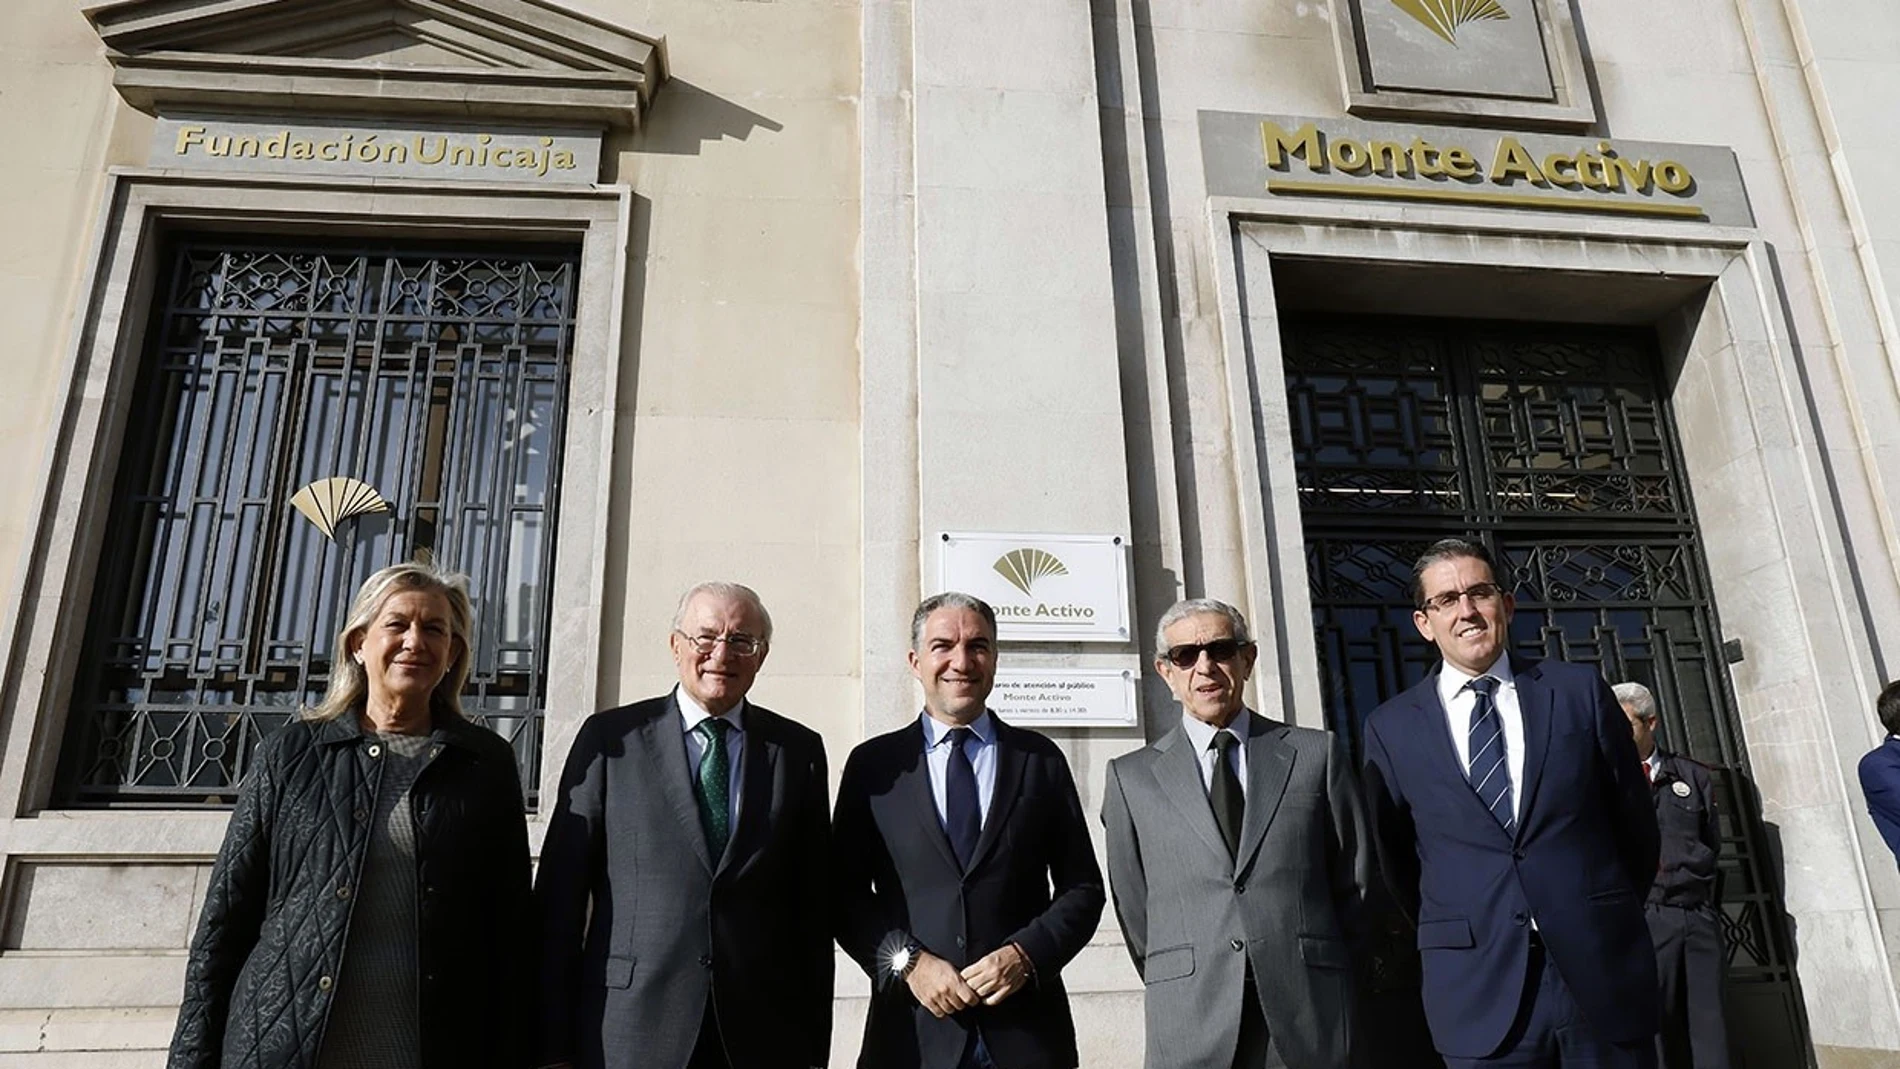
x=472, y=60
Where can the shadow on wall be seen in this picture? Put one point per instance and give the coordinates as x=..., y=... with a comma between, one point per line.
x=1767, y=1019
x=685, y=117
x=613, y=639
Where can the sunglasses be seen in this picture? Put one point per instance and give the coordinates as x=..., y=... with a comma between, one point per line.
x=1188, y=654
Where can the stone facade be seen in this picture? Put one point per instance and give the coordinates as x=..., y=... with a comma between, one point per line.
x=856, y=272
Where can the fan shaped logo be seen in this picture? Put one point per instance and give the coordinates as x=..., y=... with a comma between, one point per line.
x=1443, y=17
x=1022, y=567
x=328, y=502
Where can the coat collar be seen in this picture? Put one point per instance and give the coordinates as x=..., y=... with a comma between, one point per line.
x=449, y=728
x=1534, y=705
x=1269, y=767
x=666, y=763
x=1009, y=782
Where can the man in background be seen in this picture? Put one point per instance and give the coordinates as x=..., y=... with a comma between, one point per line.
x=1680, y=908
x=1880, y=770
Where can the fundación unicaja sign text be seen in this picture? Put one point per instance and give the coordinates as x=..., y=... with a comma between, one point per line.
x=376, y=150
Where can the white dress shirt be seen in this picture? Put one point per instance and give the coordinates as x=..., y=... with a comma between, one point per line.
x=1654, y=763
x=1458, y=700
x=692, y=713
x=982, y=759
x=1201, y=734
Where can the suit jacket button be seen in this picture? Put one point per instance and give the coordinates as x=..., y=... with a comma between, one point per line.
x=705, y=961
x=1520, y=919
x=1518, y=853
x=1240, y=888
x=1238, y=945
x=959, y=942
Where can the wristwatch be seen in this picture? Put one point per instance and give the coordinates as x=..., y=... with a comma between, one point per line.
x=906, y=958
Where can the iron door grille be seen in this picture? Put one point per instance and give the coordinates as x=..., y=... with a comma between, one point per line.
x=437, y=376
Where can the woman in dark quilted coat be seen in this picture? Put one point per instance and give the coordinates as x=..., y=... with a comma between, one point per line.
x=369, y=906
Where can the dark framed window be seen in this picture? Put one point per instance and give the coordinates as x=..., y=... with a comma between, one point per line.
x=436, y=377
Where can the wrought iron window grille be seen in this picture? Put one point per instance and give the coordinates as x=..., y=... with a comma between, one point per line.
x=437, y=376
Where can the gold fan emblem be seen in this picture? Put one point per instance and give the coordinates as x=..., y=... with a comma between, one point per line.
x=1022, y=567
x=328, y=502
x=1443, y=17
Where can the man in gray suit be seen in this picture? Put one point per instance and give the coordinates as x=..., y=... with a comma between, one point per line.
x=682, y=901
x=1238, y=860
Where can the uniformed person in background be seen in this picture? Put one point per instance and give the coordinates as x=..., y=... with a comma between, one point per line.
x=1681, y=905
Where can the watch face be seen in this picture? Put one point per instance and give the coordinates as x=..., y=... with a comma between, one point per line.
x=900, y=960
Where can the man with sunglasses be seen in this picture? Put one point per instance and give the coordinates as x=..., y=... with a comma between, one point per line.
x=683, y=890
x=1237, y=858
x=1514, y=824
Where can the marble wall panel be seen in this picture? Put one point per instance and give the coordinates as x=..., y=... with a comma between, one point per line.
x=103, y=906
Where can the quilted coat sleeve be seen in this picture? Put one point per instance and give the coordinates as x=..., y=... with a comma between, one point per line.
x=228, y=925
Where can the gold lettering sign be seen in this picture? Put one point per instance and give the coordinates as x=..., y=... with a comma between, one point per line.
x=1505, y=173
x=369, y=148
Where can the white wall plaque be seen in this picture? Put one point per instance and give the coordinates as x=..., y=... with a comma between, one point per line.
x=1044, y=588
x=1066, y=697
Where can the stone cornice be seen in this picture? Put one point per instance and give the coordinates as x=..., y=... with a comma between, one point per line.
x=476, y=59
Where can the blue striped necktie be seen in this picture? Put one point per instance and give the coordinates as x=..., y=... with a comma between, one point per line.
x=1485, y=741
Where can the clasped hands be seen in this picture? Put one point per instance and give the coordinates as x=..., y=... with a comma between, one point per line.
x=990, y=979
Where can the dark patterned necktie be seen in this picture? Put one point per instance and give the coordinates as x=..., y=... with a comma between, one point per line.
x=715, y=785
x=963, y=817
x=1485, y=741
x=1223, y=792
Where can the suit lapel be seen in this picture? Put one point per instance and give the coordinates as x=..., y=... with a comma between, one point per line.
x=1434, y=722
x=1009, y=783
x=923, y=804
x=1269, y=766
x=1533, y=707
x=755, y=793
x=1179, y=771
x=665, y=746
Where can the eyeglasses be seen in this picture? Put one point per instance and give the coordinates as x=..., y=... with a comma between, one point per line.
x=1479, y=593
x=1188, y=654
x=739, y=645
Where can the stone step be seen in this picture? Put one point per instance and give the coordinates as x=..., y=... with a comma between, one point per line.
x=60, y=1010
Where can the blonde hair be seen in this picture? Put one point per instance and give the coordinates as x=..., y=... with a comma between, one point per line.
x=349, y=683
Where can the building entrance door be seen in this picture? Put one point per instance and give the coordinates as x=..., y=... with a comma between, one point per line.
x=1554, y=445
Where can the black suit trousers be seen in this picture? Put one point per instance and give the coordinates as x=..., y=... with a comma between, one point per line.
x=1689, y=965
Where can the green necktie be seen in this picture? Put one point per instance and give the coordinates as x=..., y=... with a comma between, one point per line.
x=715, y=785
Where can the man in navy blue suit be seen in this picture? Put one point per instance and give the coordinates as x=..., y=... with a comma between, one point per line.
x=1880, y=770
x=1514, y=823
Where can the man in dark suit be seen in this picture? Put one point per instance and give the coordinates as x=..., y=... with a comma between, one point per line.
x=966, y=879
x=1681, y=903
x=682, y=892
x=1511, y=818
x=1880, y=770
x=1238, y=859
